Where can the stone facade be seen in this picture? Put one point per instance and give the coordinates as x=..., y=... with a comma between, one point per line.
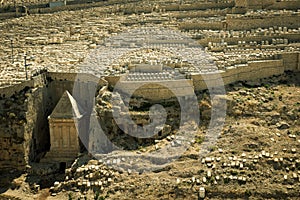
x=64, y=122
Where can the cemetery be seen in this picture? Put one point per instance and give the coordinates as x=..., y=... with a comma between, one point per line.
x=215, y=83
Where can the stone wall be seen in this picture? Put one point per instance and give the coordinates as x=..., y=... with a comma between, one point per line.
x=245, y=23
x=8, y=10
x=293, y=5
x=15, y=131
x=258, y=4
x=241, y=3
x=22, y=111
x=252, y=71
x=157, y=90
x=290, y=61
x=234, y=40
x=112, y=80
x=269, y=4
x=22, y=128
x=26, y=129
x=198, y=6
x=201, y=25
x=10, y=90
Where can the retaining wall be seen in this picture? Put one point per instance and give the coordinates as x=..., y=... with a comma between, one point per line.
x=291, y=61
x=157, y=90
x=247, y=23
x=198, y=6
x=292, y=37
x=289, y=5
x=251, y=71
x=254, y=70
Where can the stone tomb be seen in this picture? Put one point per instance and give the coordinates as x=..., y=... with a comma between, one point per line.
x=64, y=124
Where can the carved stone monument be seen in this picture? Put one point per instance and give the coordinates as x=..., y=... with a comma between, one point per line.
x=63, y=124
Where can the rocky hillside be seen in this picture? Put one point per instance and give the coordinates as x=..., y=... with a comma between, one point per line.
x=256, y=156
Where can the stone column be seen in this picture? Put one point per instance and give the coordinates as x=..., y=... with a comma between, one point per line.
x=72, y=141
x=60, y=135
x=65, y=135
x=55, y=135
x=51, y=126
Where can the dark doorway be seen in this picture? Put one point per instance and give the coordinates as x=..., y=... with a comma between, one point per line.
x=62, y=167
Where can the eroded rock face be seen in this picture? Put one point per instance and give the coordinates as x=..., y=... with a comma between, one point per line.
x=22, y=129
x=15, y=130
x=138, y=111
